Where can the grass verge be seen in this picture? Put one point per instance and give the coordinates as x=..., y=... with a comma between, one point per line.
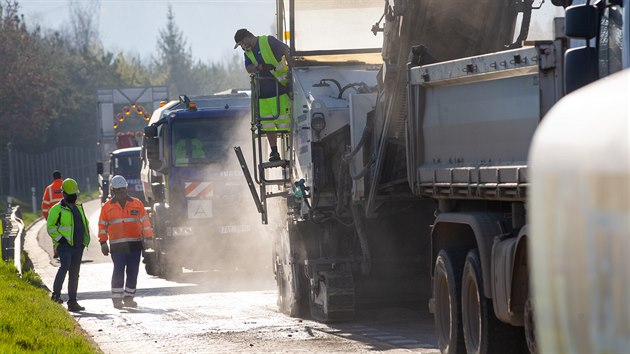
x=31, y=322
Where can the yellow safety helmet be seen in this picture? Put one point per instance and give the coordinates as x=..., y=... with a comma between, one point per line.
x=70, y=186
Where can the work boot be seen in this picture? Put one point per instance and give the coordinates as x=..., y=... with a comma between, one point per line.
x=74, y=306
x=118, y=303
x=274, y=156
x=56, y=298
x=128, y=302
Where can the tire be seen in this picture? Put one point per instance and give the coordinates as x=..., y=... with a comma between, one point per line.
x=446, y=291
x=172, y=271
x=289, y=270
x=483, y=332
x=150, y=263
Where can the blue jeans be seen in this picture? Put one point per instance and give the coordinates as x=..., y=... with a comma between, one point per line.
x=129, y=261
x=70, y=259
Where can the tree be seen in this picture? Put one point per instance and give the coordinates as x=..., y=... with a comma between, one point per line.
x=175, y=59
x=229, y=74
x=84, y=22
x=25, y=101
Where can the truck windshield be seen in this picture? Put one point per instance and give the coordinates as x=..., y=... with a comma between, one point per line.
x=332, y=25
x=127, y=166
x=207, y=140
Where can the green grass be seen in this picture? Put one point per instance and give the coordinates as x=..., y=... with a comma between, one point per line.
x=31, y=322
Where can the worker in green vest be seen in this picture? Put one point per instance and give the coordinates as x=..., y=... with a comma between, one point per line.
x=188, y=149
x=70, y=231
x=270, y=58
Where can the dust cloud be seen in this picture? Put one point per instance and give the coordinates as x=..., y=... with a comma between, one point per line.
x=235, y=250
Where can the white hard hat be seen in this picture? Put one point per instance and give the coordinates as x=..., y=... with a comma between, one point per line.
x=118, y=182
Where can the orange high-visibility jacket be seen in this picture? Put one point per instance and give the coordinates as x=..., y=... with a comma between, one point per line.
x=52, y=195
x=128, y=224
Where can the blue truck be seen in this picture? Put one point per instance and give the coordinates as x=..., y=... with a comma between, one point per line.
x=125, y=162
x=198, y=206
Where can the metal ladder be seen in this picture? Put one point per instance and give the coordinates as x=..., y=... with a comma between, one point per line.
x=263, y=169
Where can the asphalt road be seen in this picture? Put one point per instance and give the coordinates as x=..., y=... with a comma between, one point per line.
x=218, y=312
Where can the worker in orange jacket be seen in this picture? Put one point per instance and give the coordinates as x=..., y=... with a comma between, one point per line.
x=125, y=223
x=53, y=194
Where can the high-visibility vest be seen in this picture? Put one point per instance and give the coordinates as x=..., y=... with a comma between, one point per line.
x=281, y=67
x=61, y=224
x=53, y=194
x=120, y=225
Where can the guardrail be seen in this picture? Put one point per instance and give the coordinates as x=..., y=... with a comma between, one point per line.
x=13, y=237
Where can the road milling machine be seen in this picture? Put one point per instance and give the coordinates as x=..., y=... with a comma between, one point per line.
x=404, y=173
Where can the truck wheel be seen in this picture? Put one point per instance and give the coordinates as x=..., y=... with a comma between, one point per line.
x=150, y=263
x=530, y=333
x=483, y=332
x=332, y=298
x=446, y=290
x=287, y=300
x=172, y=270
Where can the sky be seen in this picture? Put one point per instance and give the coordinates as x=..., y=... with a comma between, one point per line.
x=132, y=26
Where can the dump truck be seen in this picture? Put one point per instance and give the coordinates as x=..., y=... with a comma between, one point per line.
x=406, y=178
x=579, y=200
x=194, y=191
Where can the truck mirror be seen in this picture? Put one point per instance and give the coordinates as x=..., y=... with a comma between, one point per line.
x=153, y=149
x=581, y=22
x=99, y=168
x=150, y=131
x=580, y=68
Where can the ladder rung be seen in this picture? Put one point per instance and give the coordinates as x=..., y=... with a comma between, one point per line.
x=268, y=182
x=280, y=163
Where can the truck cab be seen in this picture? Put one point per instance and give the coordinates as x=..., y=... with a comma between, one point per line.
x=125, y=162
x=192, y=182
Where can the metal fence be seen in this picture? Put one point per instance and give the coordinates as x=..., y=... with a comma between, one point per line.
x=25, y=175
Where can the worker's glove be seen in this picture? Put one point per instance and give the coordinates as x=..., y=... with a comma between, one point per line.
x=266, y=67
x=104, y=248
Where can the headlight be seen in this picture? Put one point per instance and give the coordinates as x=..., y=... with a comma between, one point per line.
x=318, y=122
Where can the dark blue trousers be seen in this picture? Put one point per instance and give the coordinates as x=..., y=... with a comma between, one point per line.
x=125, y=262
x=70, y=259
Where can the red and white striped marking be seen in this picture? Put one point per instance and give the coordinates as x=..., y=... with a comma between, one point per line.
x=198, y=189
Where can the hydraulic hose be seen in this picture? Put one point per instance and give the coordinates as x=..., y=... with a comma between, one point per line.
x=366, y=261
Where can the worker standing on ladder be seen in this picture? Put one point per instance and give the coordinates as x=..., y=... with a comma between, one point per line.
x=270, y=58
